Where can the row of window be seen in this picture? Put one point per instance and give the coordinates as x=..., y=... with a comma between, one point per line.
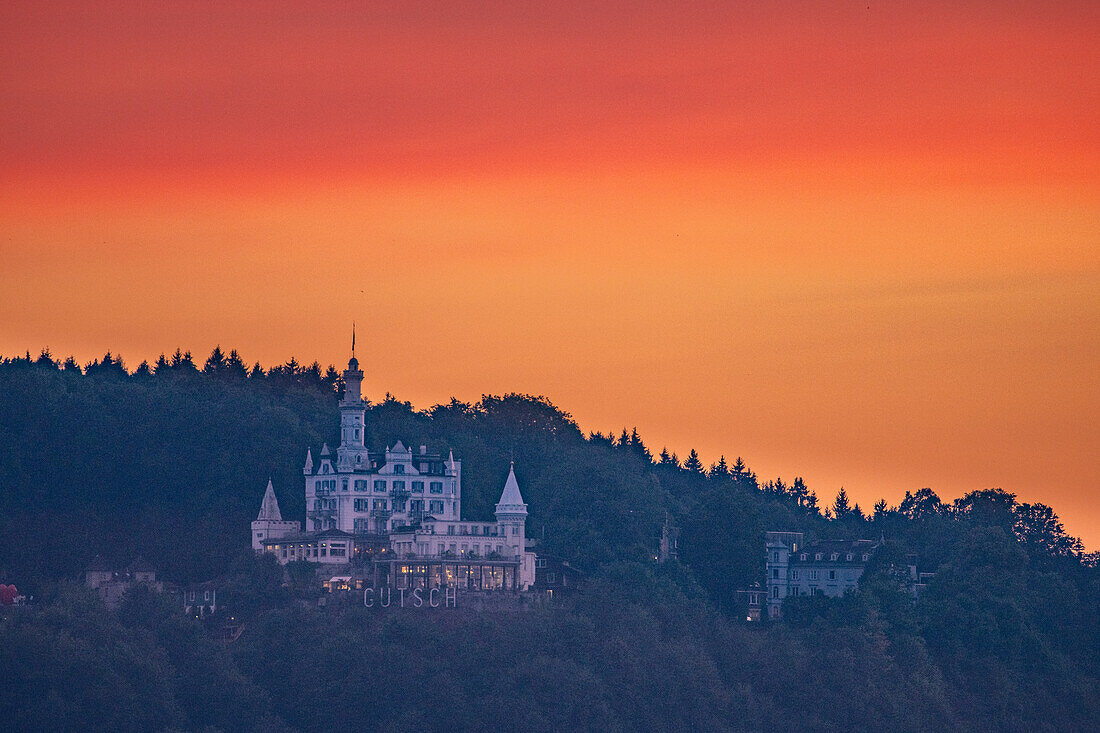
x=814, y=574
x=423, y=548
x=380, y=486
x=818, y=556
x=795, y=592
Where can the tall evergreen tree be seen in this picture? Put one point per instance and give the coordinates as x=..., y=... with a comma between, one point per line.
x=693, y=464
x=215, y=364
x=841, y=507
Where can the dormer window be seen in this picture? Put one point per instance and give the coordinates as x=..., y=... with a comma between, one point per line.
x=834, y=556
x=802, y=557
x=817, y=556
x=848, y=557
x=866, y=557
x=399, y=468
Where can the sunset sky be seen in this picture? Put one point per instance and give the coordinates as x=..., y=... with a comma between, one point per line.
x=856, y=242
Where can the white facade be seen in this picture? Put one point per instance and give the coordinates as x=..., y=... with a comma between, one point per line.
x=408, y=502
x=829, y=567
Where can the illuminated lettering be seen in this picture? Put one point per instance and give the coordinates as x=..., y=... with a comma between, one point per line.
x=386, y=596
x=368, y=597
x=450, y=599
x=417, y=600
x=432, y=600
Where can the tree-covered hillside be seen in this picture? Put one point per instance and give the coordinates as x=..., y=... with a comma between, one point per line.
x=168, y=462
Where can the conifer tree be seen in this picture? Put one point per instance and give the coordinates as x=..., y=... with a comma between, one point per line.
x=638, y=447
x=841, y=508
x=719, y=470
x=234, y=365
x=215, y=365
x=693, y=464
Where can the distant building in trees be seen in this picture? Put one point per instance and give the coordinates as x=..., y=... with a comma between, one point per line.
x=200, y=599
x=554, y=576
x=397, y=516
x=111, y=585
x=828, y=567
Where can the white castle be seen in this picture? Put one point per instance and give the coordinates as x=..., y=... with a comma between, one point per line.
x=396, y=518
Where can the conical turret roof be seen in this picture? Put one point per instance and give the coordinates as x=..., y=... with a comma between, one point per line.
x=511, y=501
x=269, y=509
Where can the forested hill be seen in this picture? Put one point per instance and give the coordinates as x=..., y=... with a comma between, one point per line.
x=168, y=462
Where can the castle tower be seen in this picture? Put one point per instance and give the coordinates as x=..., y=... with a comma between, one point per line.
x=269, y=523
x=511, y=515
x=352, y=453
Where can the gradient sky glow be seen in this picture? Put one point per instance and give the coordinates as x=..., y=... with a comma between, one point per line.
x=857, y=242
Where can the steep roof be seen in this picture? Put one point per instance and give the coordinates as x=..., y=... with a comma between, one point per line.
x=857, y=548
x=269, y=509
x=510, y=499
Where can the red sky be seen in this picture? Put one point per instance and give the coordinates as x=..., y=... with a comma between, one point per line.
x=857, y=242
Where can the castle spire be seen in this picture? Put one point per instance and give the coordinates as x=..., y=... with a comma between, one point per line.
x=308, y=468
x=511, y=502
x=269, y=509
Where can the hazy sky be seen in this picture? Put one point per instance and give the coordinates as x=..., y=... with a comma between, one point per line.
x=857, y=242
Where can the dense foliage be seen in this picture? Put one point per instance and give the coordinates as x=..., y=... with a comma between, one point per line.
x=169, y=463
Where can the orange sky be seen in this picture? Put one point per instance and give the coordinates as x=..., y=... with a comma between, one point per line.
x=858, y=242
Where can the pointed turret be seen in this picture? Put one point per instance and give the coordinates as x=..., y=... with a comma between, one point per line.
x=308, y=468
x=512, y=516
x=269, y=509
x=324, y=450
x=450, y=464
x=511, y=502
x=269, y=523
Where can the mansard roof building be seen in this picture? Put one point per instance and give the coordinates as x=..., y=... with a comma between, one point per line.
x=399, y=511
x=827, y=567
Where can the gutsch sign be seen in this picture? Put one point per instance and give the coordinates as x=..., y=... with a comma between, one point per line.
x=387, y=597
